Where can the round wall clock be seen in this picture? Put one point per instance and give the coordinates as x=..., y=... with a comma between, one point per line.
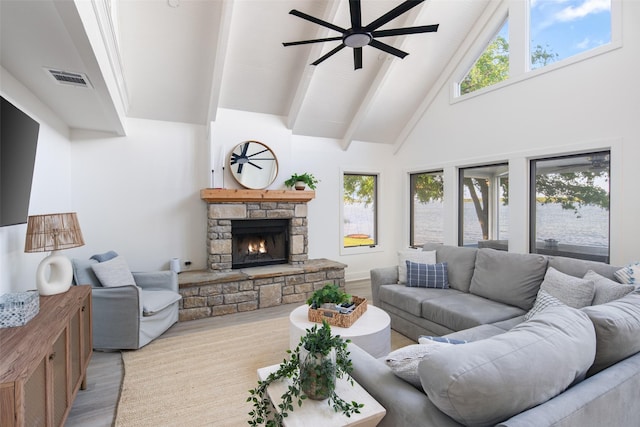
x=253, y=165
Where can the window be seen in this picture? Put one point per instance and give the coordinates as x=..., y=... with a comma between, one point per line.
x=426, y=208
x=483, y=206
x=570, y=206
x=492, y=66
x=561, y=29
x=360, y=210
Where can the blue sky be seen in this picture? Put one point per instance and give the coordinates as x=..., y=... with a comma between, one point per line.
x=569, y=27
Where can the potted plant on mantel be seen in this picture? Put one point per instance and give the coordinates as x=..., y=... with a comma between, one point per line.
x=312, y=369
x=300, y=181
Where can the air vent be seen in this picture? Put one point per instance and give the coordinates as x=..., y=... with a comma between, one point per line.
x=69, y=78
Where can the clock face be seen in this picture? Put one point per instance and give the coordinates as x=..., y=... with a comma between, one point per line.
x=253, y=165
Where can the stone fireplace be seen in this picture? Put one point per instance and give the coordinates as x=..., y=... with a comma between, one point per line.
x=223, y=215
x=239, y=278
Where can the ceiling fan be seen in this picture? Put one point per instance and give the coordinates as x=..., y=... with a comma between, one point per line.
x=360, y=35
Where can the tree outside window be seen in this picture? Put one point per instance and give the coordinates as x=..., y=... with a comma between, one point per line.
x=360, y=210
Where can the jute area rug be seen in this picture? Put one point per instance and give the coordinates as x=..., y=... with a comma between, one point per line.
x=200, y=379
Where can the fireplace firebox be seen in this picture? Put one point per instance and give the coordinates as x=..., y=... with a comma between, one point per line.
x=259, y=242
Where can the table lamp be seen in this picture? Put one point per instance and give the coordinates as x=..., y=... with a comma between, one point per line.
x=53, y=232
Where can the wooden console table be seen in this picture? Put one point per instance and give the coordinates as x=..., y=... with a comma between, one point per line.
x=44, y=363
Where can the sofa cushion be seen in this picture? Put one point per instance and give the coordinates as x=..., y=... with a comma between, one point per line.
x=410, y=299
x=154, y=301
x=404, y=361
x=544, y=300
x=506, y=277
x=114, y=272
x=83, y=273
x=606, y=290
x=461, y=311
x=487, y=381
x=414, y=255
x=617, y=326
x=572, y=291
x=460, y=261
x=579, y=267
x=427, y=275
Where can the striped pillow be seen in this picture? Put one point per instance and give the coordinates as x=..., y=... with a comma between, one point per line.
x=427, y=275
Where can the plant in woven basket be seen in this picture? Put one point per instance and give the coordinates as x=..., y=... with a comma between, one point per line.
x=312, y=369
x=329, y=293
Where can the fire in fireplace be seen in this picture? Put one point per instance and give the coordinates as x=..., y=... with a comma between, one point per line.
x=257, y=242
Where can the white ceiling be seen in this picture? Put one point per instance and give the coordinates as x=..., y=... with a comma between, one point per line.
x=182, y=60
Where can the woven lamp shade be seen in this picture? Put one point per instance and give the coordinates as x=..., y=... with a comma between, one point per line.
x=52, y=232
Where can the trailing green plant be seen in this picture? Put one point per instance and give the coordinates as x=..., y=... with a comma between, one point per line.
x=306, y=177
x=329, y=293
x=317, y=341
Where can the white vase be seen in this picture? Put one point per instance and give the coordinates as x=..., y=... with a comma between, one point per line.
x=299, y=185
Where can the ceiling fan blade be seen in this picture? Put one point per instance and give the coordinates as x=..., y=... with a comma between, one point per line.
x=317, y=21
x=356, y=13
x=332, y=52
x=389, y=49
x=407, y=30
x=328, y=39
x=357, y=58
x=393, y=13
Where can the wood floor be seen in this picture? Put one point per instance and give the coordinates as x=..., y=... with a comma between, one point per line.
x=95, y=406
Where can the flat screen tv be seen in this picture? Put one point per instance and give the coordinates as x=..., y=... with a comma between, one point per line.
x=18, y=141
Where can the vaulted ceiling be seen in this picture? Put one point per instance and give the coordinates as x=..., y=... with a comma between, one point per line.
x=182, y=60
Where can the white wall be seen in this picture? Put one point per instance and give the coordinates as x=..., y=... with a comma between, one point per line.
x=139, y=194
x=586, y=105
x=325, y=160
x=50, y=190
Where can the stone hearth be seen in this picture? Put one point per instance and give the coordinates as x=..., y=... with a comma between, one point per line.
x=208, y=294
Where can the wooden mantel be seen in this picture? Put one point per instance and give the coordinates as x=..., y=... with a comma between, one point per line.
x=223, y=195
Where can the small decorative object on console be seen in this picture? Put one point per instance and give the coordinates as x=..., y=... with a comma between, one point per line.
x=18, y=308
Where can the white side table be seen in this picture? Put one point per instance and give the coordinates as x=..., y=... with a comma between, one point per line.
x=318, y=412
x=371, y=332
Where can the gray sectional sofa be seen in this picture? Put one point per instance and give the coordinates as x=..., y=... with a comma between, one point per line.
x=563, y=366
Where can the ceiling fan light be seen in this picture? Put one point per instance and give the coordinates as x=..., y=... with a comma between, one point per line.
x=357, y=40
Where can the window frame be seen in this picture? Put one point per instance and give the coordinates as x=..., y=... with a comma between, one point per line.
x=533, y=196
x=411, y=175
x=377, y=246
x=518, y=13
x=494, y=197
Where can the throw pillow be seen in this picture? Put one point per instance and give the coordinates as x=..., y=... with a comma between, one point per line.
x=617, y=325
x=113, y=273
x=487, y=381
x=427, y=275
x=105, y=256
x=629, y=274
x=425, y=339
x=416, y=255
x=544, y=300
x=606, y=289
x=573, y=291
x=404, y=361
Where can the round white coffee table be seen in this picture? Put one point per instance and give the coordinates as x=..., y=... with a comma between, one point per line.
x=371, y=332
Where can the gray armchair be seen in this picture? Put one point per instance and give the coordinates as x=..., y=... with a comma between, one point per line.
x=130, y=316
